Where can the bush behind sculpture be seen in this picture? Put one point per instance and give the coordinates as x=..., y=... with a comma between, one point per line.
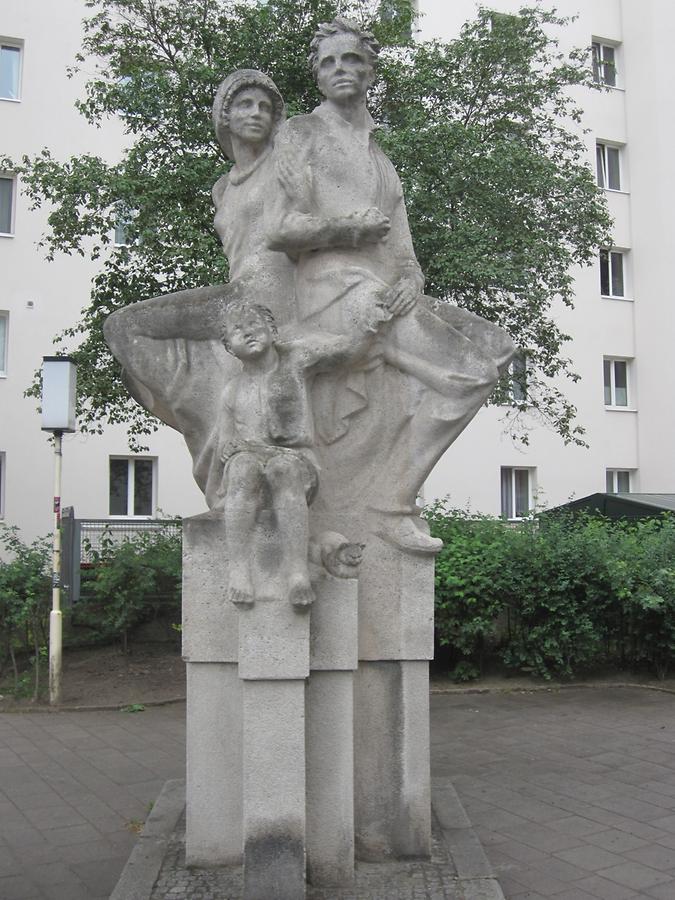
x=556, y=598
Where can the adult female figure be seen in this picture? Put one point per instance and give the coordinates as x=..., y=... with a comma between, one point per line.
x=247, y=113
x=173, y=361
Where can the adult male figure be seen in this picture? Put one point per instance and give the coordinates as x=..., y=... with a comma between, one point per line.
x=341, y=215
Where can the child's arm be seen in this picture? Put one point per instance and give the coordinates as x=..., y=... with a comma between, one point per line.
x=321, y=351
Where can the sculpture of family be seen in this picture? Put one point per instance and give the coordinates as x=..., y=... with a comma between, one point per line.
x=320, y=374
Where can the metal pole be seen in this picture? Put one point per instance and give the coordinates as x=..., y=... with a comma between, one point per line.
x=55, y=617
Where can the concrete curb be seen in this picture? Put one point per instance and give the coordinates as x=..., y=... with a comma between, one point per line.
x=474, y=870
x=142, y=868
x=551, y=688
x=102, y=707
x=459, y=689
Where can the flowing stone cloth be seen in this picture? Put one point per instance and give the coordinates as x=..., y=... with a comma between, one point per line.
x=381, y=427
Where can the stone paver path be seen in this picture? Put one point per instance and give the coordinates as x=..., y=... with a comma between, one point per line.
x=72, y=788
x=571, y=792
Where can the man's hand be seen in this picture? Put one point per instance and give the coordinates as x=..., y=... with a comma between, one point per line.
x=403, y=296
x=369, y=226
x=295, y=176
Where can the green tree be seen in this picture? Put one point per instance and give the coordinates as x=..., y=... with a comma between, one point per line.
x=482, y=130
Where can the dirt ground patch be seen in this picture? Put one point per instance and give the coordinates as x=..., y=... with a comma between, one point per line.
x=105, y=676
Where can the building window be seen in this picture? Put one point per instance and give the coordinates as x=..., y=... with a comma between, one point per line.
x=516, y=487
x=617, y=481
x=604, y=63
x=518, y=378
x=125, y=216
x=4, y=322
x=612, y=281
x=616, y=382
x=6, y=204
x=608, y=166
x=132, y=486
x=10, y=70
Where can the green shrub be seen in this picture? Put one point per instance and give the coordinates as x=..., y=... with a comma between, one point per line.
x=25, y=603
x=555, y=597
x=467, y=596
x=131, y=583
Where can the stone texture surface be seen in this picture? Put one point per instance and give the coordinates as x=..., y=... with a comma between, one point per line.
x=395, y=592
x=214, y=763
x=274, y=790
x=330, y=777
x=273, y=641
x=391, y=750
x=396, y=604
x=210, y=625
x=435, y=879
x=333, y=624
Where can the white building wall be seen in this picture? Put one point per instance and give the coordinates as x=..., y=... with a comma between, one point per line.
x=43, y=298
x=639, y=328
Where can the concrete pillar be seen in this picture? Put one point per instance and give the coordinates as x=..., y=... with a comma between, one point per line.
x=214, y=699
x=391, y=745
x=274, y=664
x=214, y=765
x=274, y=790
x=391, y=698
x=330, y=733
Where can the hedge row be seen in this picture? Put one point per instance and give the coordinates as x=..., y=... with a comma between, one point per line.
x=556, y=598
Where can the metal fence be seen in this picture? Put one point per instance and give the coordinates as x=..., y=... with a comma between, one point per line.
x=84, y=540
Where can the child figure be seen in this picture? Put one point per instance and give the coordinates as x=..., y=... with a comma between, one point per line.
x=266, y=437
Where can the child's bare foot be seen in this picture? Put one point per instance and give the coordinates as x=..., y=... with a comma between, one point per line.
x=300, y=592
x=241, y=590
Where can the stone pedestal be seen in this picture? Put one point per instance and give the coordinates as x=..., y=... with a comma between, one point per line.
x=214, y=700
x=274, y=790
x=330, y=732
x=270, y=748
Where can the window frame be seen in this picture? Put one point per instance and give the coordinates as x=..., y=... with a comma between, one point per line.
x=3, y=472
x=11, y=177
x=517, y=373
x=613, y=475
x=601, y=151
x=612, y=253
x=16, y=44
x=131, y=484
x=125, y=218
x=4, y=343
x=613, y=360
x=599, y=62
x=513, y=508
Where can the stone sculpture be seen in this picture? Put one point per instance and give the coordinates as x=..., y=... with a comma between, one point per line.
x=343, y=384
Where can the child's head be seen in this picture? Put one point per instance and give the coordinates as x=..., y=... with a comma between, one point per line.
x=249, y=329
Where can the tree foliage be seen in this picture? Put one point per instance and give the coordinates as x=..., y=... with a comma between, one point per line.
x=482, y=131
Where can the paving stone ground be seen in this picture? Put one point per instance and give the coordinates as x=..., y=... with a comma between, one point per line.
x=571, y=792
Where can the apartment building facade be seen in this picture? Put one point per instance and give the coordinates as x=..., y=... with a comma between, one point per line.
x=622, y=325
x=623, y=321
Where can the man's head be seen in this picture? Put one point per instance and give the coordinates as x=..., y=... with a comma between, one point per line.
x=249, y=329
x=343, y=60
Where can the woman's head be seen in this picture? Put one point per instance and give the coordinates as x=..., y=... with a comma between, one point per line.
x=247, y=89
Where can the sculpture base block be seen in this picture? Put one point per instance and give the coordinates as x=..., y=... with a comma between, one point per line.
x=392, y=790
